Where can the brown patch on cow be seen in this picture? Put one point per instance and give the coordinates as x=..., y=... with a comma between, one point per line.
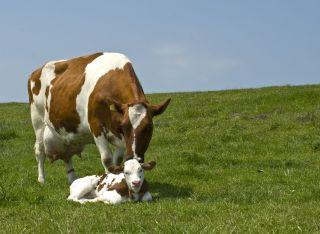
x=34, y=77
x=100, y=186
x=115, y=169
x=46, y=95
x=143, y=135
x=102, y=178
x=65, y=88
x=121, y=188
x=124, y=87
x=60, y=68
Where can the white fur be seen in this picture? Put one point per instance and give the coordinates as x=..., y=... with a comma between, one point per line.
x=104, y=150
x=133, y=171
x=93, y=72
x=50, y=141
x=81, y=187
x=136, y=114
x=37, y=111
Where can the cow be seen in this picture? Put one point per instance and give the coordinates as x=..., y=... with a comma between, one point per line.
x=121, y=184
x=90, y=99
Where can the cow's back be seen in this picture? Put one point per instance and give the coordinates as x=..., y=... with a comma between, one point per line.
x=61, y=90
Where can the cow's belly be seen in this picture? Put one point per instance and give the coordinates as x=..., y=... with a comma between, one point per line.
x=60, y=146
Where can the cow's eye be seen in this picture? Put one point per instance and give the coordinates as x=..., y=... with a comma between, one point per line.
x=126, y=173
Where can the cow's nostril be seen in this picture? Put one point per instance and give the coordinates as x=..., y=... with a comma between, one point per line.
x=136, y=182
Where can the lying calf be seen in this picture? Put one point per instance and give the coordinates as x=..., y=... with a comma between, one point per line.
x=119, y=185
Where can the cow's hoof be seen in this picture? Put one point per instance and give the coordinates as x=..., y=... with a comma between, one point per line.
x=41, y=180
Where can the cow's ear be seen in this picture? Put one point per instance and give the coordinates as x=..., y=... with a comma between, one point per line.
x=160, y=108
x=115, y=169
x=148, y=165
x=117, y=106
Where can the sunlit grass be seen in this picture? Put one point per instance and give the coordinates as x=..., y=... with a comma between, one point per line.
x=227, y=161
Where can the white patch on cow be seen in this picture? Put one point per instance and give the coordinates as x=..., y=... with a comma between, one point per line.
x=93, y=72
x=110, y=180
x=112, y=197
x=104, y=150
x=47, y=75
x=133, y=172
x=32, y=84
x=136, y=114
x=82, y=186
x=38, y=126
x=38, y=115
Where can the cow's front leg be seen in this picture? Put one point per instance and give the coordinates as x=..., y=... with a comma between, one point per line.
x=118, y=155
x=104, y=150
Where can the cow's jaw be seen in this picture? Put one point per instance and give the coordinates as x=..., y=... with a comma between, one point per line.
x=136, y=114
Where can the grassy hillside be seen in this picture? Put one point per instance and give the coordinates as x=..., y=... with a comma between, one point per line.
x=228, y=161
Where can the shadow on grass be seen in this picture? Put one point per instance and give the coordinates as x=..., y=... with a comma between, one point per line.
x=7, y=132
x=165, y=190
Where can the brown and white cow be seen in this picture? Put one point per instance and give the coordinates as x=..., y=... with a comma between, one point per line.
x=90, y=99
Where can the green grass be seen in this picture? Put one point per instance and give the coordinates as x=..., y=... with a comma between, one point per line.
x=229, y=161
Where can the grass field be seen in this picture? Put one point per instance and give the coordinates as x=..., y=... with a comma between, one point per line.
x=242, y=161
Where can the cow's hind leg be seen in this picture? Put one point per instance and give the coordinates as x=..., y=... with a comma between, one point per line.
x=70, y=171
x=38, y=126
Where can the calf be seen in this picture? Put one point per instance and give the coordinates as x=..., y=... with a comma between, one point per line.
x=123, y=183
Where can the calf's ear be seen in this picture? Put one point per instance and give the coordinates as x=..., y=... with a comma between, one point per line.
x=115, y=169
x=148, y=165
x=160, y=108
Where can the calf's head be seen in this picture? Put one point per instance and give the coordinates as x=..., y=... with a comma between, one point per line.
x=136, y=125
x=133, y=173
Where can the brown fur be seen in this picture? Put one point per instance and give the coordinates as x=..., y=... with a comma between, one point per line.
x=102, y=178
x=115, y=169
x=144, y=188
x=100, y=186
x=124, y=87
x=35, y=77
x=66, y=86
x=121, y=188
x=46, y=95
x=107, y=105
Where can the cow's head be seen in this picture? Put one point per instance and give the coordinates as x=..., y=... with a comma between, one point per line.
x=136, y=125
x=133, y=172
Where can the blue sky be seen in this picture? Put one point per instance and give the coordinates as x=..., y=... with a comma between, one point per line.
x=174, y=45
